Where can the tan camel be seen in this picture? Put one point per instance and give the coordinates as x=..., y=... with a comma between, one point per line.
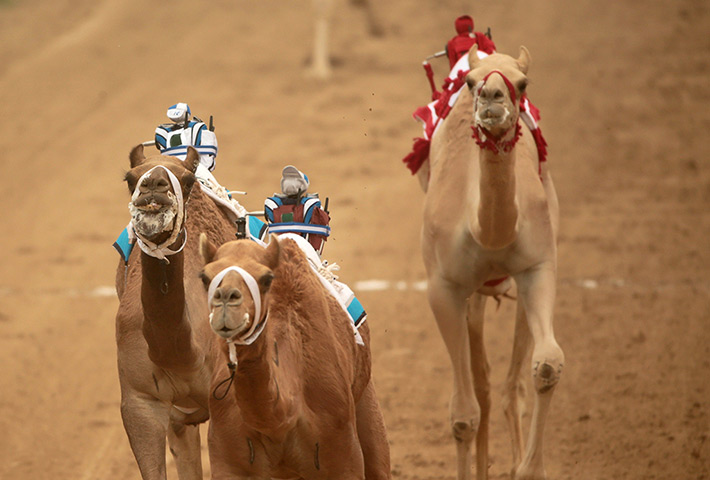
x=490, y=215
x=165, y=353
x=320, y=66
x=302, y=403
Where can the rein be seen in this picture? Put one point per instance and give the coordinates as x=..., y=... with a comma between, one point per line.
x=479, y=135
x=161, y=251
x=248, y=337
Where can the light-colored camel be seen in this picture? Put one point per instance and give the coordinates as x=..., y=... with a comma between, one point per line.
x=490, y=215
x=320, y=64
x=165, y=353
x=301, y=403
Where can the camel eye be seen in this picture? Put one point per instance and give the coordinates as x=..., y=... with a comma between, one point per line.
x=205, y=279
x=522, y=85
x=130, y=179
x=266, y=280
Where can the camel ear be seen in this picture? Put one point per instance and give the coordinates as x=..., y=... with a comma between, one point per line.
x=192, y=160
x=273, y=250
x=524, y=60
x=207, y=249
x=473, y=57
x=137, y=156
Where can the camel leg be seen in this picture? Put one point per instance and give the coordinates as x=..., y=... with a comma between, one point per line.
x=373, y=436
x=339, y=453
x=449, y=307
x=146, y=423
x=320, y=62
x=514, y=392
x=184, y=442
x=536, y=290
x=481, y=380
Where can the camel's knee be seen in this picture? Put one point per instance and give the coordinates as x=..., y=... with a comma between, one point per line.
x=546, y=375
x=547, y=364
x=465, y=430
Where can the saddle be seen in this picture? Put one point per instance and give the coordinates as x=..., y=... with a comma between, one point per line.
x=302, y=215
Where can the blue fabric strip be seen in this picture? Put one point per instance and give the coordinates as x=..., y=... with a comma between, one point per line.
x=356, y=312
x=123, y=245
x=256, y=228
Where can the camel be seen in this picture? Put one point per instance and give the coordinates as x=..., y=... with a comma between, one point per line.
x=299, y=402
x=320, y=63
x=164, y=342
x=490, y=218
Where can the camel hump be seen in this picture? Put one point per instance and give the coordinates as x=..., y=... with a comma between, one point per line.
x=298, y=246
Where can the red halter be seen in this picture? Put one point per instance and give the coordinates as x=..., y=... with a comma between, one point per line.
x=485, y=142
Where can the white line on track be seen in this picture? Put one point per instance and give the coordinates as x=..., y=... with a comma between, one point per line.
x=377, y=285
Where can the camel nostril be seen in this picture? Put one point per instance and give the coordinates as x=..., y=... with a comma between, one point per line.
x=162, y=184
x=228, y=295
x=493, y=94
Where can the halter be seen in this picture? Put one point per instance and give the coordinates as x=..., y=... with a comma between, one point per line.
x=161, y=251
x=248, y=337
x=257, y=327
x=484, y=142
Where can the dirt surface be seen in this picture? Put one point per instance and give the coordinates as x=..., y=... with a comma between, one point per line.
x=623, y=90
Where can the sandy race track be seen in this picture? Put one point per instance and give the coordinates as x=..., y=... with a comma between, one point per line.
x=623, y=90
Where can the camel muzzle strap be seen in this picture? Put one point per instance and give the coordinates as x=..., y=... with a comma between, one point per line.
x=248, y=337
x=161, y=251
x=479, y=135
x=258, y=325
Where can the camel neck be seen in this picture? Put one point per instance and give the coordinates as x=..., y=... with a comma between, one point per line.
x=165, y=327
x=497, y=209
x=259, y=386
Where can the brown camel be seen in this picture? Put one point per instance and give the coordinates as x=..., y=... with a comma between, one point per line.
x=491, y=214
x=165, y=353
x=320, y=66
x=300, y=403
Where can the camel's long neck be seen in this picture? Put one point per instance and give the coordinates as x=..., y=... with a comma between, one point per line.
x=259, y=386
x=166, y=327
x=497, y=209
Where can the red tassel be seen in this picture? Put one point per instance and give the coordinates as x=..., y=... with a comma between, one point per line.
x=419, y=154
x=541, y=145
x=430, y=76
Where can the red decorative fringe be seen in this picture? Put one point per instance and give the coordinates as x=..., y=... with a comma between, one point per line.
x=541, y=145
x=497, y=147
x=419, y=154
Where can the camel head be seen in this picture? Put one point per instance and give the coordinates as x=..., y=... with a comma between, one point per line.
x=159, y=186
x=497, y=82
x=237, y=277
